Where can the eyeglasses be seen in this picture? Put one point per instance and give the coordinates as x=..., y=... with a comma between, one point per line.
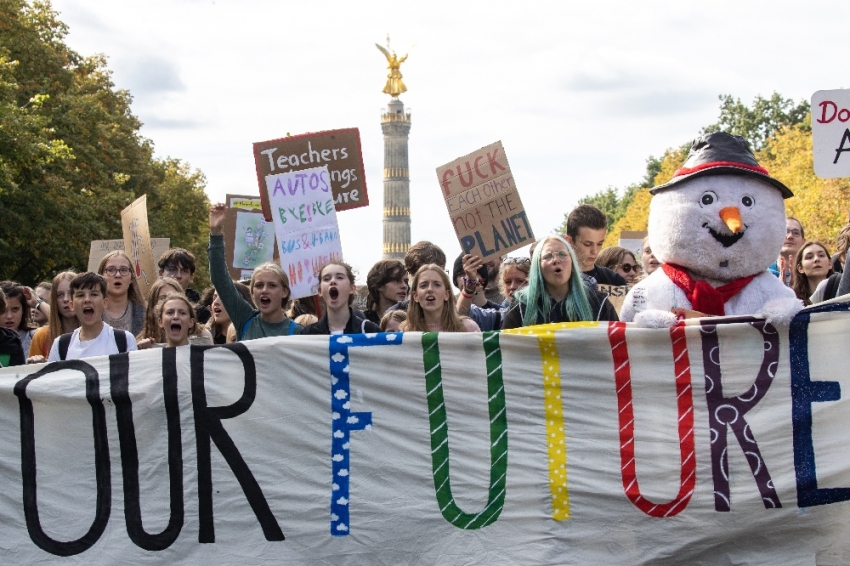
x=113, y=271
x=172, y=270
x=550, y=256
x=627, y=267
x=516, y=260
x=794, y=232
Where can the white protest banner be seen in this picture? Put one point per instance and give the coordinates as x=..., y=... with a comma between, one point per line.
x=484, y=204
x=831, y=133
x=720, y=441
x=304, y=217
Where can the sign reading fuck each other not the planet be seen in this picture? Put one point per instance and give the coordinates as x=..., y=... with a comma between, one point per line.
x=483, y=203
x=302, y=207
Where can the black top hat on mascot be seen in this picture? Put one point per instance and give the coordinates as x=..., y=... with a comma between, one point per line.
x=720, y=153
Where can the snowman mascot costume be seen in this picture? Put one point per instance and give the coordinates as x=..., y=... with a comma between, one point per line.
x=716, y=226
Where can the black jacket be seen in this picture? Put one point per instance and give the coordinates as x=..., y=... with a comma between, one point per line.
x=11, y=351
x=357, y=324
x=600, y=305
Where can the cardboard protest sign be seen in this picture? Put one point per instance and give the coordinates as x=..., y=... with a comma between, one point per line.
x=616, y=294
x=484, y=204
x=718, y=441
x=100, y=248
x=137, y=243
x=339, y=150
x=248, y=238
x=831, y=133
x=632, y=240
x=305, y=225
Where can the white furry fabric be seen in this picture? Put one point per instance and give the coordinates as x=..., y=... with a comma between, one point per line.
x=657, y=294
x=681, y=224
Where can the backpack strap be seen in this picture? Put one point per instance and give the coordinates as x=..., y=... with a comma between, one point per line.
x=64, y=342
x=291, y=330
x=831, y=286
x=120, y=340
x=247, y=322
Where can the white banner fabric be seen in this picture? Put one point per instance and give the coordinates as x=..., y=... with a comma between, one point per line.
x=725, y=443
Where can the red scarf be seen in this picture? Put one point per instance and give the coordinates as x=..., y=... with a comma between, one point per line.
x=701, y=294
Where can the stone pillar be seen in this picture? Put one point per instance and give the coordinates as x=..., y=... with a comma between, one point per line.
x=395, y=124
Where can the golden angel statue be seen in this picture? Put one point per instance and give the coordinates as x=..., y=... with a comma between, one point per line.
x=395, y=85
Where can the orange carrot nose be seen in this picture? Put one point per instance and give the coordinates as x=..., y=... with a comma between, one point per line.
x=732, y=217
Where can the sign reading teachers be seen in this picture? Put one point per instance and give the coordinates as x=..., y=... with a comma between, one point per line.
x=302, y=208
x=831, y=133
x=339, y=150
x=484, y=204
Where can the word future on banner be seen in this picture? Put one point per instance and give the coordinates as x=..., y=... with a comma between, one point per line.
x=484, y=204
x=831, y=133
x=717, y=441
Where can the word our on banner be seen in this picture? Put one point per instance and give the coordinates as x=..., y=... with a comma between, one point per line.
x=339, y=150
x=831, y=133
x=305, y=225
x=483, y=203
x=718, y=440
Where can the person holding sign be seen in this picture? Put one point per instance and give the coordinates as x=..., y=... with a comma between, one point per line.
x=432, y=304
x=555, y=291
x=269, y=289
x=336, y=286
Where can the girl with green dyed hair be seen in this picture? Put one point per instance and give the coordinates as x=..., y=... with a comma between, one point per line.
x=556, y=291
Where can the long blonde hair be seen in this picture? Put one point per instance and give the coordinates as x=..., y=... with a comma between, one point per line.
x=449, y=320
x=55, y=318
x=281, y=274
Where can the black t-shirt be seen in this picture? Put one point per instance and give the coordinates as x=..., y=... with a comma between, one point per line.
x=606, y=276
x=11, y=352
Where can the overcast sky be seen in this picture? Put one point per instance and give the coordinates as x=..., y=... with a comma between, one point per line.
x=580, y=94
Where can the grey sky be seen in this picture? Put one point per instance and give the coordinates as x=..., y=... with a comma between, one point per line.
x=579, y=93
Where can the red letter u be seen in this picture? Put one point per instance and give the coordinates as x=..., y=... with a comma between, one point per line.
x=685, y=404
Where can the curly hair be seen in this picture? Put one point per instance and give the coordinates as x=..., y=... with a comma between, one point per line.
x=382, y=273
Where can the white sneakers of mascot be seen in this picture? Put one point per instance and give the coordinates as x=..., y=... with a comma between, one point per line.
x=724, y=229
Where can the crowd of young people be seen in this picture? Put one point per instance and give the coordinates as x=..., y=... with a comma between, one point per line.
x=89, y=314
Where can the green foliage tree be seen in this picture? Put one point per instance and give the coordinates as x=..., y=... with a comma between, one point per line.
x=761, y=121
x=612, y=203
x=71, y=157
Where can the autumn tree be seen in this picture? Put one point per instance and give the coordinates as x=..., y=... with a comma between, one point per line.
x=779, y=131
x=71, y=157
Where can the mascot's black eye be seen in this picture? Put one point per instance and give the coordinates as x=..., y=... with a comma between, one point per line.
x=747, y=201
x=707, y=199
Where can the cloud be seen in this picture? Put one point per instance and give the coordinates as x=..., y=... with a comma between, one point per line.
x=658, y=103
x=156, y=123
x=600, y=82
x=150, y=75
